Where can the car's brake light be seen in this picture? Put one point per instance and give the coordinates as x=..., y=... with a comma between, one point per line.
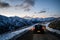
x=33, y=28
x=43, y=27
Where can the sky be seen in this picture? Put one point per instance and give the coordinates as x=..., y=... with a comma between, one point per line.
x=31, y=8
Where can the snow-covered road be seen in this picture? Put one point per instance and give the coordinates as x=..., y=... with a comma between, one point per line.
x=8, y=36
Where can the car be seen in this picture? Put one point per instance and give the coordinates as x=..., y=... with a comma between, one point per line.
x=38, y=29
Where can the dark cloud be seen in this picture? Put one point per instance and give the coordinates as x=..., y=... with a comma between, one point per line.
x=30, y=2
x=3, y=4
x=43, y=11
x=27, y=4
x=14, y=1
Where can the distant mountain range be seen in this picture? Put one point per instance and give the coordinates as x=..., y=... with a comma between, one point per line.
x=13, y=23
x=17, y=21
x=40, y=19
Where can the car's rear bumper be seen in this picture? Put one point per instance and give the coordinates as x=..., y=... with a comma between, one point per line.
x=41, y=32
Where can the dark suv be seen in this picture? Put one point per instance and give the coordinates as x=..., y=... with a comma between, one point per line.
x=38, y=29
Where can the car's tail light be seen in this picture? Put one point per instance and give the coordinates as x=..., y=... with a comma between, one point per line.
x=43, y=27
x=33, y=28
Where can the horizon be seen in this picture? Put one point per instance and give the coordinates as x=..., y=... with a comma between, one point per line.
x=29, y=17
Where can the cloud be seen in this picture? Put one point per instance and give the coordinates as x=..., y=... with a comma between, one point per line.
x=43, y=11
x=30, y=2
x=27, y=9
x=3, y=4
x=27, y=4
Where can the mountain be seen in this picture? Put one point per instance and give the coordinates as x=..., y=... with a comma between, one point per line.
x=27, y=17
x=55, y=24
x=39, y=20
x=12, y=23
x=34, y=20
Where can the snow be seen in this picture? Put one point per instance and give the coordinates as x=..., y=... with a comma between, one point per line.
x=8, y=36
x=51, y=29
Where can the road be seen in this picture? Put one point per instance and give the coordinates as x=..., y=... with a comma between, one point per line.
x=47, y=35
x=44, y=37
x=18, y=35
x=30, y=36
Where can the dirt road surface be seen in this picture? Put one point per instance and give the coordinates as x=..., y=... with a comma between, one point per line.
x=44, y=37
x=30, y=36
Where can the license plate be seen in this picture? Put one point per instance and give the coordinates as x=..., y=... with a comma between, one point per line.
x=38, y=31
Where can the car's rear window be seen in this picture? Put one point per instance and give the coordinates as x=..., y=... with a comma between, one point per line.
x=38, y=26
